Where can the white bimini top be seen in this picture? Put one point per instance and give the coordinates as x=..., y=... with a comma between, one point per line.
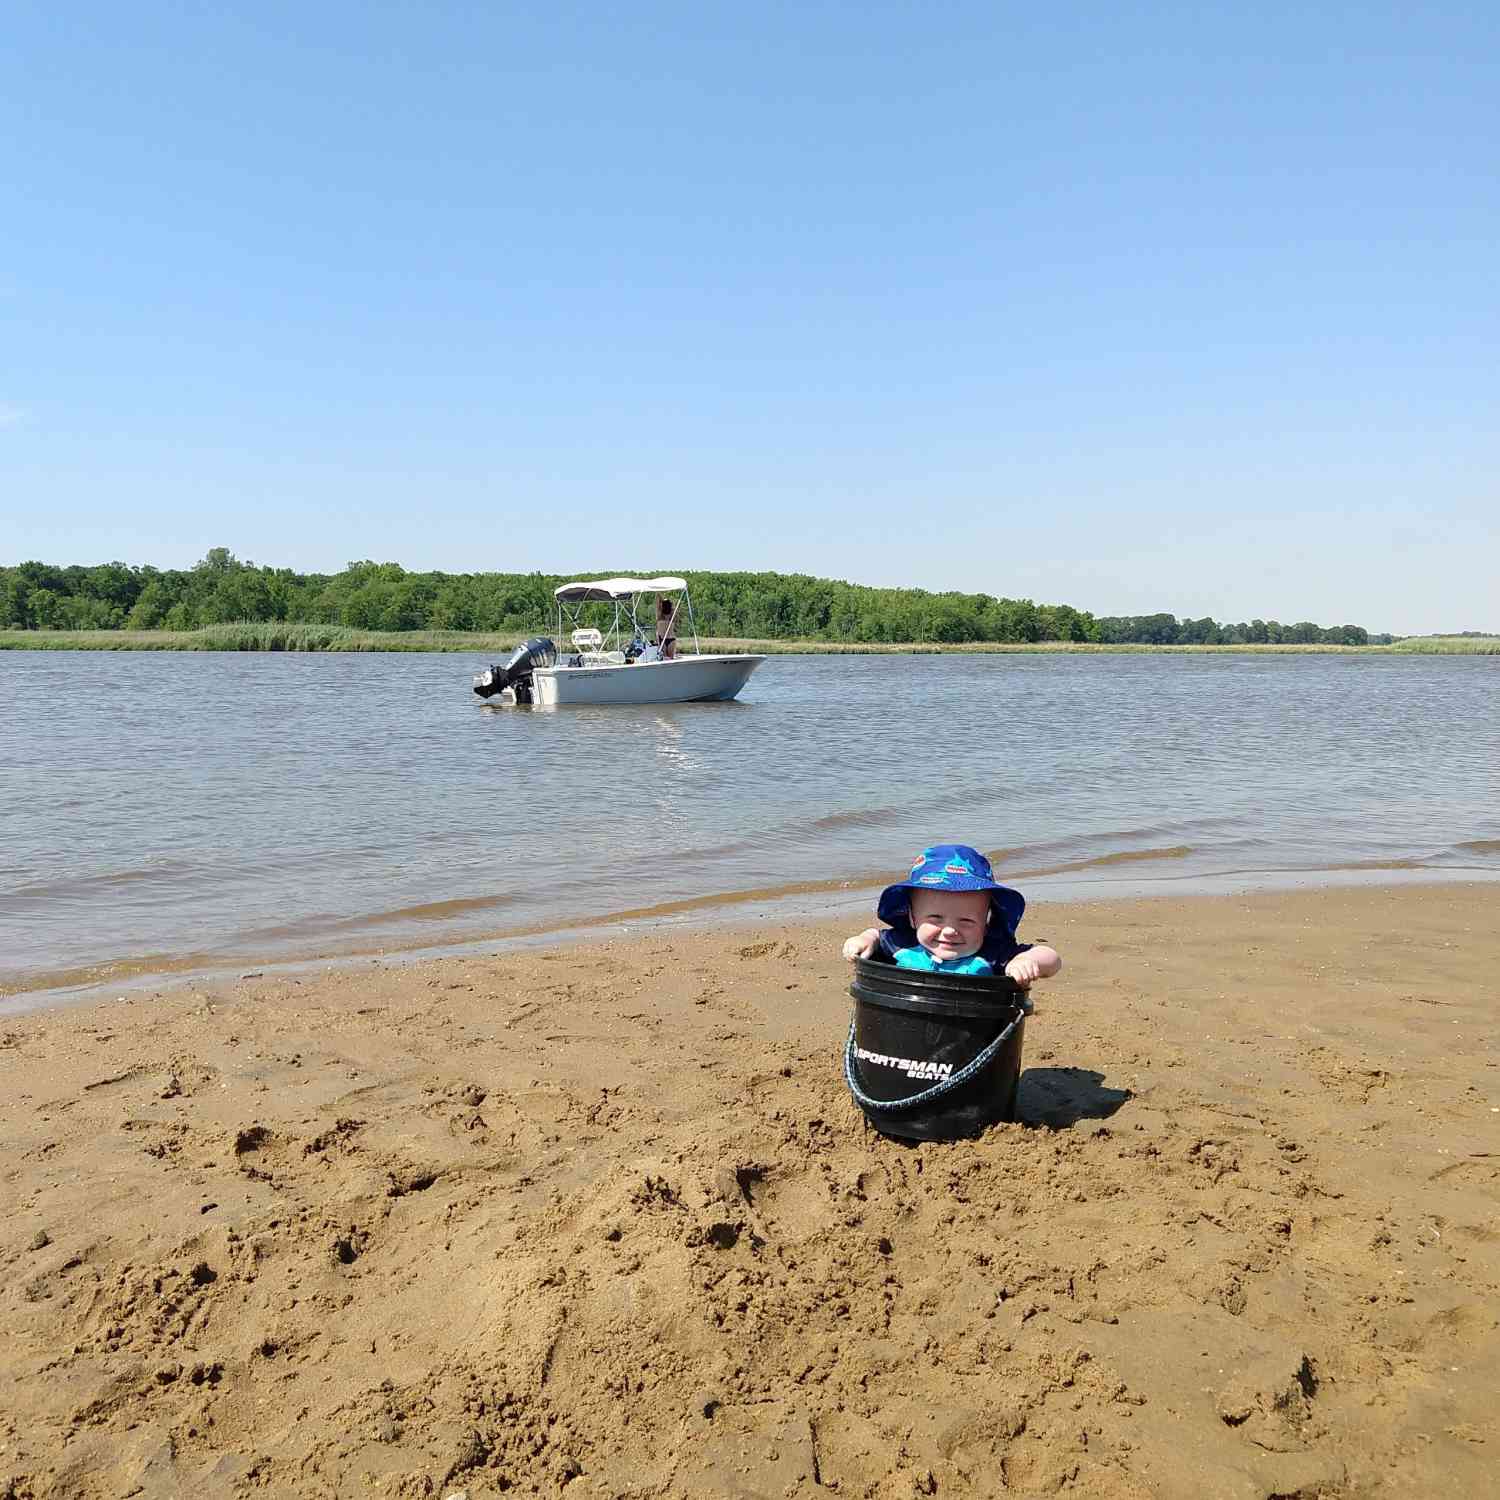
x=617, y=588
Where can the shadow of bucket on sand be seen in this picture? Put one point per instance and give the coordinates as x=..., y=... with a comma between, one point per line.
x=1058, y=1098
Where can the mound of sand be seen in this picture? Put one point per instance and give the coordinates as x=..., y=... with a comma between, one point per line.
x=602, y=1221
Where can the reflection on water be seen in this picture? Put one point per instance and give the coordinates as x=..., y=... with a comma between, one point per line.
x=265, y=805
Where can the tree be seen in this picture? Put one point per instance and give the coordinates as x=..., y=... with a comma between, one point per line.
x=410, y=604
x=239, y=594
x=81, y=612
x=1204, y=632
x=1346, y=635
x=1061, y=622
x=456, y=605
x=14, y=613
x=115, y=583
x=46, y=609
x=151, y=606
x=948, y=622
x=1016, y=620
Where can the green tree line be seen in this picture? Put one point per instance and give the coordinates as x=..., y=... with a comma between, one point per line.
x=774, y=606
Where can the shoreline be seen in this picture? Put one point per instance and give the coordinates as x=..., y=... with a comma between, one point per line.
x=599, y=1220
x=263, y=636
x=84, y=983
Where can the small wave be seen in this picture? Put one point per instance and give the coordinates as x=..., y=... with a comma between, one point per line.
x=1480, y=846
x=327, y=924
x=1103, y=861
x=769, y=839
x=869, y=817
x=113, y=880
x=1125, y=856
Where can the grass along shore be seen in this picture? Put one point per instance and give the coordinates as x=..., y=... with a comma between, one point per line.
x=276, y=636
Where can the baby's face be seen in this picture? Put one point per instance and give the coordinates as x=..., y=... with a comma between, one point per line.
x=950, y=924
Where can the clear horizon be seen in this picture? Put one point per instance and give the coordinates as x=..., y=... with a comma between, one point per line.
x=1135, y=311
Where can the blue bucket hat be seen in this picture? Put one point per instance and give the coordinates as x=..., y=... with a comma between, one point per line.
x=950, y=867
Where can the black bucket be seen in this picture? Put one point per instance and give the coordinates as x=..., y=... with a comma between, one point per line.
x=934, y=1057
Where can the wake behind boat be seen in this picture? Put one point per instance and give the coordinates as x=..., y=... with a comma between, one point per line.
x=623, y=662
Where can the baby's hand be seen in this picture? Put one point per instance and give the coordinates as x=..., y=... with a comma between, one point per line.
x=1023, y=968
x=862, y=944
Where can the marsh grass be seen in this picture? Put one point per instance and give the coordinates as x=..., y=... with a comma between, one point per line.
x=1449, y=645
x=1010, y=648
x=274, y=636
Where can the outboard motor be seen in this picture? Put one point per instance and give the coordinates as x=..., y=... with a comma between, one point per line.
x=515, y=672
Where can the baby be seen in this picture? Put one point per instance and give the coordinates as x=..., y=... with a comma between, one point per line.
x=949, y=915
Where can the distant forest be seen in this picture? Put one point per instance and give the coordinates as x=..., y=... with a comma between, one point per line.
x=772, y=606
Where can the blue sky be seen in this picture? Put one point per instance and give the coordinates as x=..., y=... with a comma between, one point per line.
x=1132, y=307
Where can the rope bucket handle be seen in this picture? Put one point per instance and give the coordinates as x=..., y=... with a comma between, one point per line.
x=970, y=1069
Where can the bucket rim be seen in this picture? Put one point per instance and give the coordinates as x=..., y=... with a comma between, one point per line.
x=965, y=996
x=931, y=980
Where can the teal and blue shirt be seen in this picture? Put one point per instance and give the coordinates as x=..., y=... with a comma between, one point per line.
x=920, y=958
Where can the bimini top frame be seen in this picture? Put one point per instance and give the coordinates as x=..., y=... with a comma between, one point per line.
x=625, y=594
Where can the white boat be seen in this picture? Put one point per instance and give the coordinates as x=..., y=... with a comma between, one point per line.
x=621, y=662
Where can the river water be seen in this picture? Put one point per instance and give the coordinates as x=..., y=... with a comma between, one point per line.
x=165, y=812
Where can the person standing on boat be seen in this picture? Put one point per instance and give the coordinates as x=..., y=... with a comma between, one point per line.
x=666, y=621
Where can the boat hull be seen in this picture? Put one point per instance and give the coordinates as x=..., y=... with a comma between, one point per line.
x=687, y=679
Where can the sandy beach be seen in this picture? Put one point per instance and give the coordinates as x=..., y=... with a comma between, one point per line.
x=601, y=1220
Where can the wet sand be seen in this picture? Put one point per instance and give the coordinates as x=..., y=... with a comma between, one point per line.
x=600, y=1220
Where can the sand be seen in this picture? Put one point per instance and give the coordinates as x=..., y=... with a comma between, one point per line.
x=602, y=1221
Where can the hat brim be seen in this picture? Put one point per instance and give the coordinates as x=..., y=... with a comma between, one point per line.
x=895, y=900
